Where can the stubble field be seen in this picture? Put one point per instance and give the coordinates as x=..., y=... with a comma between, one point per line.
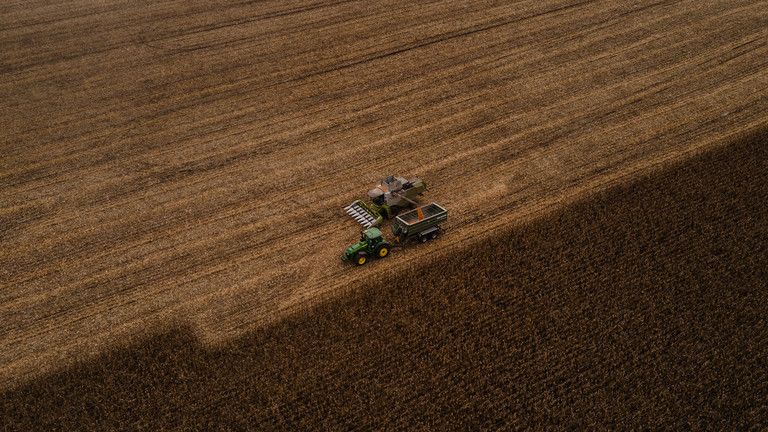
x=186, y=164
x=643, y=306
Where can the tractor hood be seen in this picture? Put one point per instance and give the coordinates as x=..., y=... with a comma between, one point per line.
x=352, y=250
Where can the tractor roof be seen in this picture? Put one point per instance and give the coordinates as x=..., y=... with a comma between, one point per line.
x=372, y=233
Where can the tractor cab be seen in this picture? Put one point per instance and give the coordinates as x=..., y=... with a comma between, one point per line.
x=371, y=235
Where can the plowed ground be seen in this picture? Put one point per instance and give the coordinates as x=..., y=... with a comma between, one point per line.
x=187, y=162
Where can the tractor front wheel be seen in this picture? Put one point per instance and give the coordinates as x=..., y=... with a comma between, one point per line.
x=361, y=259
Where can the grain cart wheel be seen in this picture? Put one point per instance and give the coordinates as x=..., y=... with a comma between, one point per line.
x=434, y=234
x=361, y=259
x=423, y=238
x=383, y=250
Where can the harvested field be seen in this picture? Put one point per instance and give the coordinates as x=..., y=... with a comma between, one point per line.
x=642, y=307
x=186, y=162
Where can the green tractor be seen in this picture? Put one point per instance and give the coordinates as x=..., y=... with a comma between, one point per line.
x=371, y=244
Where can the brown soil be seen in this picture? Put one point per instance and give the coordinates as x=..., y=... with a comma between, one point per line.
x=641, y=307
x=187, y=161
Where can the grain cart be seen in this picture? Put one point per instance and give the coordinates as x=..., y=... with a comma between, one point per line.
x=386, y=200
x=421, y=223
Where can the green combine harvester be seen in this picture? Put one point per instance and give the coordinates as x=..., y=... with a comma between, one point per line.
x=422, y=223
x=386, y=200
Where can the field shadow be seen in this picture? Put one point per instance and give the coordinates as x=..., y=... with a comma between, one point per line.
x=644, y=305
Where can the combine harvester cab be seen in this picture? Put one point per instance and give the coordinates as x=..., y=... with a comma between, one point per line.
x=386, y=200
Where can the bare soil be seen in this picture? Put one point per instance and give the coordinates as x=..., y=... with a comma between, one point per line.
x=186, y=162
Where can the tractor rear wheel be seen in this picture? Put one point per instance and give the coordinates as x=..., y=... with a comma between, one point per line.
x=361, y=259
x=383, y=250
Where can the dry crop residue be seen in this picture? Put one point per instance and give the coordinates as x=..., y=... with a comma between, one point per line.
x=189, y=161
x=641, y=307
